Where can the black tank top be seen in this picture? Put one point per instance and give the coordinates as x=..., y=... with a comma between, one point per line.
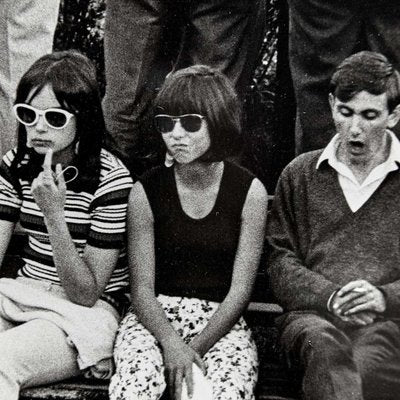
x=194, y=257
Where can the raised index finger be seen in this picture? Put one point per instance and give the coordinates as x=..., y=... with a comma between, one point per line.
x=48, y=158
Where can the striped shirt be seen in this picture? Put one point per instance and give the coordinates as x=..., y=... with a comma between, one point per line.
x=97, y=219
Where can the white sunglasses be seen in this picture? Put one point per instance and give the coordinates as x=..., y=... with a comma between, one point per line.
x=55, y=118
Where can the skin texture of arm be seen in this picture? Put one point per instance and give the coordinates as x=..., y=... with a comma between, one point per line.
x=6, y=229
x=83, y=278
x=178, y=356
x=247, y=259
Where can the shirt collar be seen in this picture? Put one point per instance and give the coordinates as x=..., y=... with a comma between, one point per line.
x=329, y=153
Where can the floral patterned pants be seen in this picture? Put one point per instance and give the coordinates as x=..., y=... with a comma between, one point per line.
x=231, y=363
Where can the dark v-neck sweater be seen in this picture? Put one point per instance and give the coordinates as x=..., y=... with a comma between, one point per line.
x=318, y=244
x=195, y=257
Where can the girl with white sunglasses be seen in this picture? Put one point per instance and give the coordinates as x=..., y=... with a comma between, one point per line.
x=59, y=317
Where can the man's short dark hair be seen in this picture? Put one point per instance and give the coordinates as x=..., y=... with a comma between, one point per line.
x=203, y=90
x=367, y=71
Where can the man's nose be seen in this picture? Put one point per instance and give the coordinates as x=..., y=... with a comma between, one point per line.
x=356, y=125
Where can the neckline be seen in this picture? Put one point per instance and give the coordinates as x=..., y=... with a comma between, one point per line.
x=214, y=207
x=370, y=199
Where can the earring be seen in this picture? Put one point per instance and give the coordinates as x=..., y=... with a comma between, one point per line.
x=169, y=160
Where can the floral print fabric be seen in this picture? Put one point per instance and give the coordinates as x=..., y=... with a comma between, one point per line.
x=232, y=364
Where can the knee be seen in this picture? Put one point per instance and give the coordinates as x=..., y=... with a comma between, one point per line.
x=139, y=374
x=10, y=377
x=325, y=345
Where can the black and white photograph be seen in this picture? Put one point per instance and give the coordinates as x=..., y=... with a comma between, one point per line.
x=199, y=200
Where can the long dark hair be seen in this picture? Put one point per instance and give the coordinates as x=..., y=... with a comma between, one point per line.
x=72, y=77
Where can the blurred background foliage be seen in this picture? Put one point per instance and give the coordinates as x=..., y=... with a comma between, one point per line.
x=268, y=107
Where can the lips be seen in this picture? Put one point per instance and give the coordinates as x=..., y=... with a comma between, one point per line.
x=356, y=146
x=41, y=143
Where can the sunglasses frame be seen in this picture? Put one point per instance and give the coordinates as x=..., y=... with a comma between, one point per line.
x=176, y=118
x=42, y=113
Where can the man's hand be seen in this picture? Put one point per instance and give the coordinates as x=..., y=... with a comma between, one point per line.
x=48, y=194
x=362, y=318
x=178, y=360
x=357, y=297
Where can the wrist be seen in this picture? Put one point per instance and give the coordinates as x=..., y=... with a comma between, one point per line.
x=329, y=303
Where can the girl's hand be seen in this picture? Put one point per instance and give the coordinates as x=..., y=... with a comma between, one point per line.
x=49, y=194
x=178, y=360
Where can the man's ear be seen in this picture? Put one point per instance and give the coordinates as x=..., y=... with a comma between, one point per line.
x=331, y=100
x=394, y=117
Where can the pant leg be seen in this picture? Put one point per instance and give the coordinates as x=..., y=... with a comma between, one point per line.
x=139, y=373
x=383, y=31
x=227, y=34
x=34, y=353
x=322, y=33
x=326, y=355
x=232, y=365
x=132, y=42
x=26, y=33
x=377, y=356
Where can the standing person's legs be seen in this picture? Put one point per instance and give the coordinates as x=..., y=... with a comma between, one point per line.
x=26, y=33
x=383, y=32
x=322, y=33
x=377, y=354
x=325, y=353
x=132, y=43
x=34, y=353
x=227, y=34
x=232, y=365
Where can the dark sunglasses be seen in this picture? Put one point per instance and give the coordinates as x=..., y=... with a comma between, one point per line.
x=189, y=122
x=55, y=118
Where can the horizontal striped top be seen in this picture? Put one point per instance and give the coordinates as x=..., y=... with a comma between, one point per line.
x=98, y=218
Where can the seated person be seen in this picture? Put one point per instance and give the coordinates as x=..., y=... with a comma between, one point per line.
x=195, y=235
x=334, y=236
x=60, y=315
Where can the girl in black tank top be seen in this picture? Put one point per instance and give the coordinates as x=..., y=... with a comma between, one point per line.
x=196, y=229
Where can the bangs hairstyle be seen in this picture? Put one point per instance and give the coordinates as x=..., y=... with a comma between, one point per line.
x=72, y=77
x=200, y=89
x=367, y=71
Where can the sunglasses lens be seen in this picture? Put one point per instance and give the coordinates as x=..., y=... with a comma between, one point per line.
x=56, y=119
x=25, y=115
x=191, y=123
x=164, y=123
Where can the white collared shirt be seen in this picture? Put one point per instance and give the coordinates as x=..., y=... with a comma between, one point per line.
x=357, y=194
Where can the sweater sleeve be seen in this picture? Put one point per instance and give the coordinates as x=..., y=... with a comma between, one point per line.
x=392, y=295
x=294, y=285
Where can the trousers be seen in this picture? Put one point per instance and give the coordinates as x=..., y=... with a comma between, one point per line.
x=354, y=363
x=232, y=364
x=26, y=33
x=33, y=353
x=322, y=33
x=145, y=39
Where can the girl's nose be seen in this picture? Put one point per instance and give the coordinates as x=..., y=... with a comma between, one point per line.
x=41, y=125
x=178, y=130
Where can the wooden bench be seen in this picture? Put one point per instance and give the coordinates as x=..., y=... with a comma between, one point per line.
x=274, y=381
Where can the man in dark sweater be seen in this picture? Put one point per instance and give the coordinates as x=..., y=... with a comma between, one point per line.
x=334, y=233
